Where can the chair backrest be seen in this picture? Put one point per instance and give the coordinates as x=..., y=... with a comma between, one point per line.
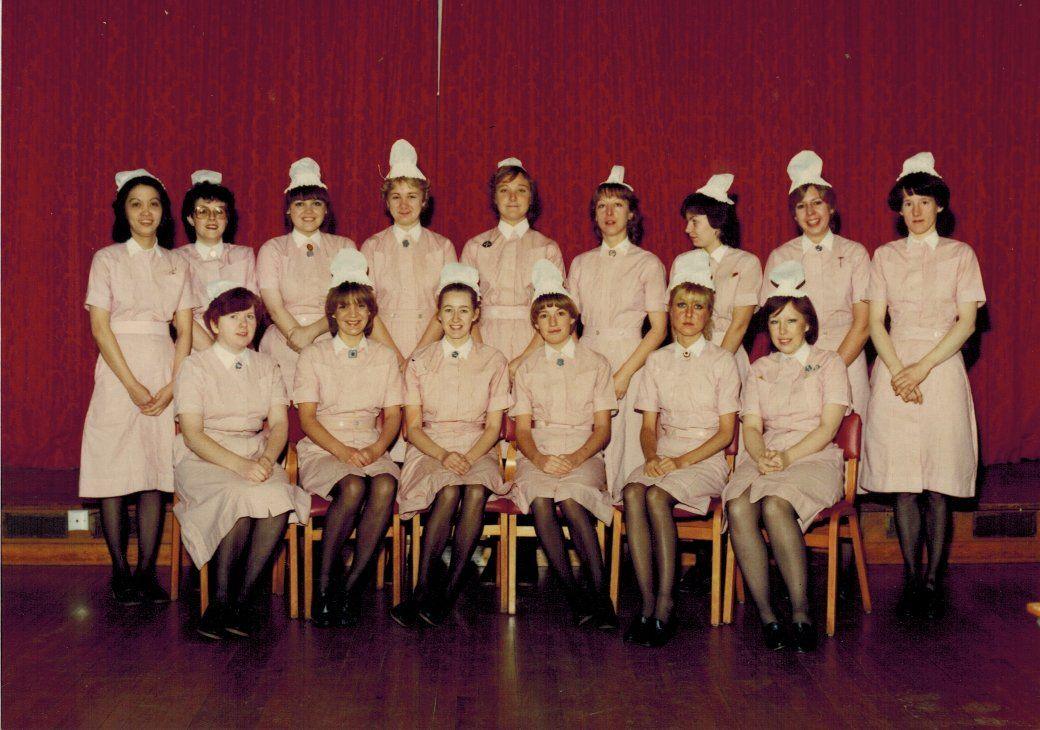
x=848, y=439
x=508, y=432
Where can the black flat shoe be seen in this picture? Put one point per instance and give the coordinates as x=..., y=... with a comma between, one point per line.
x=239, y=621
x=348, y=613
x=149, y=588
x=406, y=613
x=638, y=631
x=931, y=603
x=581, y=610
x=774, y=636
x=322, y=613
x=433, y=612
x=211, y=625
x=907, y=605
x=606, y=617
x=660, y=632
x=805, y=638
x=125, y=592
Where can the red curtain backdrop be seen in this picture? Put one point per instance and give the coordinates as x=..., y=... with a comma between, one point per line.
x=675, y=91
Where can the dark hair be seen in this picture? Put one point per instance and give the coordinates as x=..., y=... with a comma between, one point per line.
x=802, y=305
x=829, y=197
x=458, y=287
x=234, y=300
x=209, y=191
x=311, y=192
x=921, y=183
x=350, y=291
x=121, y=225
x=560, y=301
x=721, y=216
x=507, y=174
x=707, y=298
x=614, y=190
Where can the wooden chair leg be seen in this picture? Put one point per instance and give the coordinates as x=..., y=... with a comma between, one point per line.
x=861, y=561
x=511, y=553
x=294, y=573
x=832, y=573
x=278, y=572
x=175, y=555
x=502, y=565
x=203, y=588
x=381, y=567
x=615, y=556
x=716, y=568
x=396, y=556
x=729, y=580
x=601, y=535
x=416, y=534
x=308, y=568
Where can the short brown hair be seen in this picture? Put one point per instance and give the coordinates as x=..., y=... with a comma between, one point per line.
x=802, y=305
x=350, y=291
x=415, y=182
x=311, y=192
x=614, y=190
x=706, y=296
x=829, y=197
x=234, y=300
x=458, y=287
x=560, y=301
x=506, y=174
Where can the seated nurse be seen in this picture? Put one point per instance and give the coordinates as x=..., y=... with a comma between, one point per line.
x=793, y=404
x=341, y=386
x=235, y=500
x=564, y=403
x=456, y=390
x=692, y=389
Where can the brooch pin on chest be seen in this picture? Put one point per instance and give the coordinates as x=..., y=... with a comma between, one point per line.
x=686, y=354
x=486, y=244
x=559, y=362
x=310, y=250
x=406, y=243
x=352, y=354
x=612, y=253
x=238, y=365
x=455, y=355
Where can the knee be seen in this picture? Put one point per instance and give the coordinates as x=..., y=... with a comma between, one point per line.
x=350, y=488
x=475, y=494
x=450, y=493
x=573, y=511
x=384, y=487
x=776, y=508
x=633, y=494
x=658, y=500
x=743, y=516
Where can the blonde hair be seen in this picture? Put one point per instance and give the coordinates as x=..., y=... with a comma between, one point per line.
x=698, y=293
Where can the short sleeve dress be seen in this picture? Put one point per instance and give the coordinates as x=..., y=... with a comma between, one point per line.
x=231, y=262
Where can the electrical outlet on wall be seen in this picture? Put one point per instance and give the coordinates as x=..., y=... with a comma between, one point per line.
x=79, y=519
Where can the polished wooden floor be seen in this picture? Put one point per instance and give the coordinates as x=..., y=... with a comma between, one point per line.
x=72, y=658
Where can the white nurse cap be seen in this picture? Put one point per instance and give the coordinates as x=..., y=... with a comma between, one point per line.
x=349, y=264
x=404, y=161
x=692, y=268
x=547, y=279
x=206, y=176
x=122, y=178
x=455, y=273
x=806, y=168
x=617, y=177
x=305, y=171
x=512, y=162
x=921, y=162
x=717, y=188
x=788, y=278
x=215, y=288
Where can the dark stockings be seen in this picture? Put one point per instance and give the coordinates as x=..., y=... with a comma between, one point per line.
x=583, y=535
x=909, y=515
x=370, y=533
x=350, y=496
x=468, y=527
x=267, y=533
x=467, y=502
x=652, y=539
x=228, y=552
x=115, y=527
x=785, y=535
x=550, y=535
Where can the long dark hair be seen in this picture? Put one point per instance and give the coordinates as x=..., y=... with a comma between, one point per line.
x=121, y=225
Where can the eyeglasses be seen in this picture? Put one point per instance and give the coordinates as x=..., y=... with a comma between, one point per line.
x=215, y=213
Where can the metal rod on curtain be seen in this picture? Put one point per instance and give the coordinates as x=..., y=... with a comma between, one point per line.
x=440, y=18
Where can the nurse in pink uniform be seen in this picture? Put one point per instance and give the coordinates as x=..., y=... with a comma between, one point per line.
x=619, y=285
x=837, y=270
x=456, y=390
x=293, y=270
x=406, y=259
x=342, y=386
x=210, y=222
x=692, y=389
x=921, y=437
x=504, y=257
x=793, y=404
x=564, y=402
x=137, y=286
x=711, y=223
x=235, y=500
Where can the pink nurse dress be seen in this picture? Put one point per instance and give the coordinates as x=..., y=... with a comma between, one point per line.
x=789, y=397
x=835, y=280
x=505, y=284
x=303, y=281
x=456, y=394
x=689, y=391
x=351, y=386
x=123, y=450
x=934, y=445
x=232, y=263
x=562, y=395
x=233, y=402
x=616, y=293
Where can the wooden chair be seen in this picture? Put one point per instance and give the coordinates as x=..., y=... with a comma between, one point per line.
x=689, y=526
x=838, y=522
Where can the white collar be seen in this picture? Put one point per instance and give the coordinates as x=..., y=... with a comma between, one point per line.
x=694, y=350
x=210, y=252
x=518, y=230
x=301, y=240
x=827, y=243
x=718, y=253
x=338, y=345
x=553, y=355
x=411, y=235
x=622, y=248
x=456, y=354
x=133, y=247
x=230, y=359
x=932, y=239
x=801, y=354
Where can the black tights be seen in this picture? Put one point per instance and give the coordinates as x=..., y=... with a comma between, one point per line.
x=652, y=538
x=263, y=535
x=463, y=505
x=909, y=513
x=583, y=533
x=785, y=535
x=115, y=523
x=365, y=500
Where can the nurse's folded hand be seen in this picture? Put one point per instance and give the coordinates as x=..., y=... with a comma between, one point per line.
x=159, y=402
x=557, y=466
x=364, y=457
x=139, y=394
x=769, y=462
x=456, y=462
x=254, y=471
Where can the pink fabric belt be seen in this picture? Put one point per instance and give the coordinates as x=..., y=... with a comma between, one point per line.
x=364, y=423
x=503, y=311
x=140, y=327
x=913, y=332
x=688, y=433
x=563, y=427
